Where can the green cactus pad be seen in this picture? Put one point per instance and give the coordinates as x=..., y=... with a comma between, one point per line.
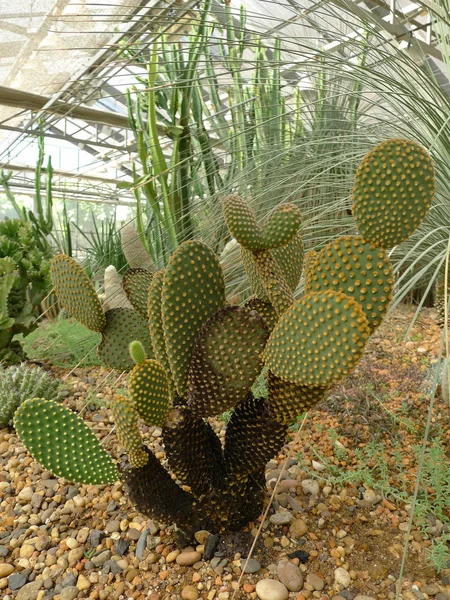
x=309, y=265
x=275, y=285
x=287, y=400
x=241, y=223
x=358, y=269
x=123, y=326
x=135, y=283
x=290, y=259
x=149, y=392
x=137, y=352
x=252, y=437
x=226, y=360
x=265, y=310
x=76, y=293
x=393, y=191
x=281, y=226
x=318, y=340
x=62, y=443
x=156, y=325
x=193, y=290
x=126, y=419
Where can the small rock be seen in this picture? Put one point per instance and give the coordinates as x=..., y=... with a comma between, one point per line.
x=121, y=546
x=310, y=486
x=29, y=591
x=112, y=567
x=189, y=592
x=363, y=597
x=441, y=596
x=142, y=543
x=17, y=581
x=290, y=575
x=201, y=536
x=69, y=593
x=281, y=518
x=95, y=537
x=317, y=466
x=370, y=496
x=69, y=580
x=6, y=570
x=83, y=583
x=101, y=558
x=431, y=589
x=252, y=566
x=342, y=577
x=212, y=541
x=270, y=589
x=113, y=526
x=25, y=495
x=188, y=558
x=298, y=528
x=317, y=582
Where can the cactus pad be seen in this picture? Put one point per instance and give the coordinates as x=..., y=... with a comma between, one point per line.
x=358, y=269
x=289, y=400
x=126, y=420
x=281, y=226
x=193, y=450
x=393, y=190
x=275, y=285
x=290, y=259
x=226, y=360
x=76, y=293
x=149, y=391
x=193, y=290
x=252, y=437
x=123, y=326
x=137, y=352
x=265, y=310
x=62, y=443
x=135, y=283
x=309, y=266
x=318, y=340
x=156, y=325
x=241, y=223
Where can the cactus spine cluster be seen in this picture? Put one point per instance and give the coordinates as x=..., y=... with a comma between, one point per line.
x=195, y=356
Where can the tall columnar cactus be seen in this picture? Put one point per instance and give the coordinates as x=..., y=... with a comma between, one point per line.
x=204, y=355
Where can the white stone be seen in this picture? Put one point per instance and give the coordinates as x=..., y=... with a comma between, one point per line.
x=310, y=486
x=342, y=577
x=270, y=589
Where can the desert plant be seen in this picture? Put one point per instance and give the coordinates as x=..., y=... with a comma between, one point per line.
x=17, y=383
x=205, y=355
x=18, y=251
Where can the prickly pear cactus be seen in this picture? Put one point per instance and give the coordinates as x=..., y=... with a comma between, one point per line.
x=194, y=356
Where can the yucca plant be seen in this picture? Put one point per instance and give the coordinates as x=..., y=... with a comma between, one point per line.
x=192, y=355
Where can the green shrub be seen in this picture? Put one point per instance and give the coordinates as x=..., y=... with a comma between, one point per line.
x=17, y=383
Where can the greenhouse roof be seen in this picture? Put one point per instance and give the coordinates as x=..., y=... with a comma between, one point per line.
x=63, y=61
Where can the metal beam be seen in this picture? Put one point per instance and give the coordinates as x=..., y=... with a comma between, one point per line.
x=27, y=169
x=68, y=138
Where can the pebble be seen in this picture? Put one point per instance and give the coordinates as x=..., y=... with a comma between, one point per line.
x=363, y=597
x=189, y=593
x=142, y=543
x=298, y=528
x=270, y=589
x=6, y=570
x=83, y=583
x=95, y=537
x=431, y=589
x=69, y=593
x=188, y=558
x=310, y=486
x=212, y=541
x=281, y=518
x=317, y=582
x=252, y=566
x=342, y=577
x=121, y=546
x=29, y=591
x=25, y=495
x=17, y=581
x=290, y=575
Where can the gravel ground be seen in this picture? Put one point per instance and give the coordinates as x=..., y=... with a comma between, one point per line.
x=327, y=536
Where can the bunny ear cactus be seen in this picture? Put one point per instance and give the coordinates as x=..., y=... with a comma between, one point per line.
x=193, y=356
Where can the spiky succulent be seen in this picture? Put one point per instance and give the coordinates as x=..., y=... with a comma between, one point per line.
x=193, y=356
x=18, y=383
